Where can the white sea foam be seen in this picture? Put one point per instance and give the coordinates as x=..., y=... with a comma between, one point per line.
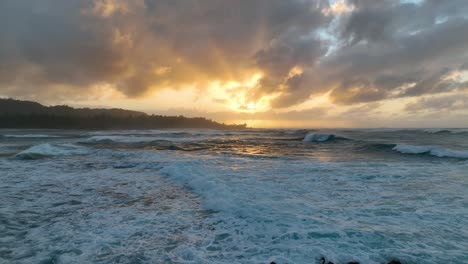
x=48, y=149
x=121, y=139
x=431, y=150
x=116, y=205
x=217, y=195
x=139, y=139
x=447, y=130
x=132, y=132
x=296, y=212
x=315, y=137
x=157, y=132
x=56, y=214
x=30, y=136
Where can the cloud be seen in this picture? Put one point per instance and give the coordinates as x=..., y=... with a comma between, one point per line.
x=80, y=43
x=49, y=42
x=439, y=103
x=393, y=50
x=339, y=7
x=357, y=51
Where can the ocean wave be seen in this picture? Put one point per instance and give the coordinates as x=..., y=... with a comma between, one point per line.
x=171, y=132
x=137, y=139
x=214, y=191
x=316, y=137
x=120, y=139
x=184, y=147
x=446, y=131
x=47, y=149
x=140, y=133
x=431, y=150
x=30, y=136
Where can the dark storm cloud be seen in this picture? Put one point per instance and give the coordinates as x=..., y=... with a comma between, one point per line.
x=49, y=42
x=388, y=45
x=378, y=50
x=79, y=43
x=387, y=49
x=281, y=57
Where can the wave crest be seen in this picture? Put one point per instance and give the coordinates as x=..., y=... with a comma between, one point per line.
x=316, y=137
x=29, y=136
x=446, y=131
x=47, y=149
x=431, y=150
x=136, y=139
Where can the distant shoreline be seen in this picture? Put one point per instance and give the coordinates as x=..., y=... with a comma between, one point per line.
x=17, y=114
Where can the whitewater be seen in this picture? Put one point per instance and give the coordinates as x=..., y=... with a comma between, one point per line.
x=246, y=196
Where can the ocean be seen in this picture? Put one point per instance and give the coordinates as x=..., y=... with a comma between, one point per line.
x=248, y=196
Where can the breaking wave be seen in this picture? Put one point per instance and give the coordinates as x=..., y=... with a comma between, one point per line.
x=431, y=150
x=47, y=149
x=315, y=137
x=446, y=131
x=120, y=139
x=30, y=136
x=136, y=139
x=344, y=195
x=318, y=137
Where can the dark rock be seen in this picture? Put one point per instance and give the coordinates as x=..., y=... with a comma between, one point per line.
x=324, y=261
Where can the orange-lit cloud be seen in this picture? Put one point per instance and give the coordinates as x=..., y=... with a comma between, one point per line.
x=251, y=58
x=338, y=7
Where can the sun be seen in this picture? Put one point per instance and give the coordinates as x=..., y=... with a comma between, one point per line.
x=234, y=94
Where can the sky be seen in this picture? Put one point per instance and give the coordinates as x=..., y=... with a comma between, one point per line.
x=267, y=63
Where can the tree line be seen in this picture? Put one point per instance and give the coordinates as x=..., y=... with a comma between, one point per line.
x=27, y=114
